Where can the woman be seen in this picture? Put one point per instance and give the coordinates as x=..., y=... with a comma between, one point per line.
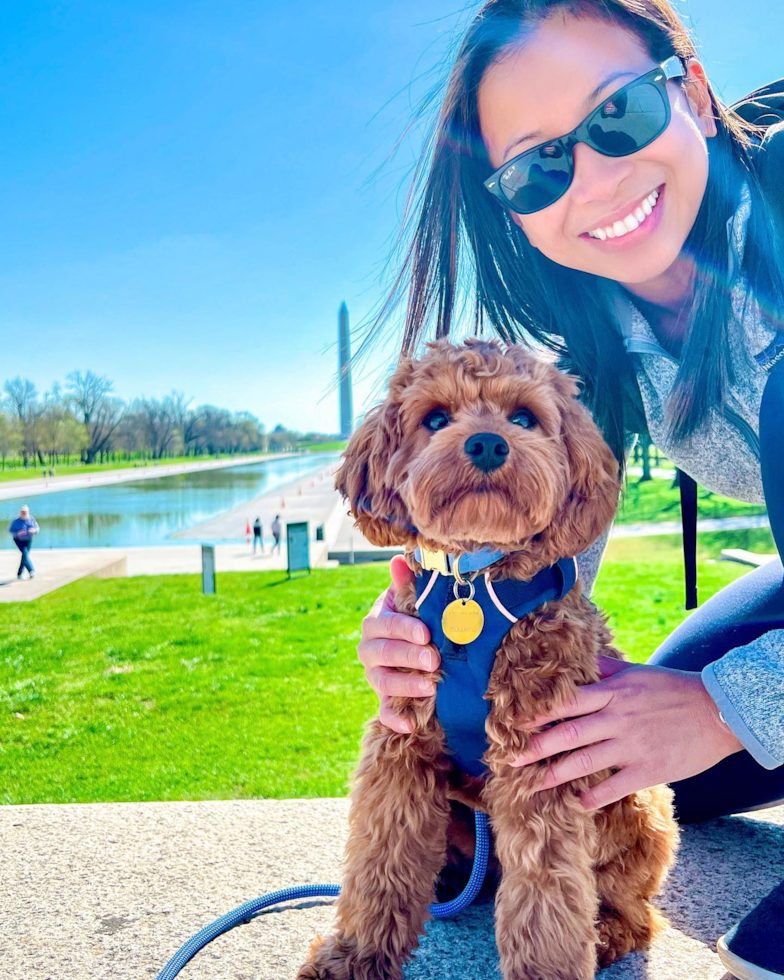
x=644, y=251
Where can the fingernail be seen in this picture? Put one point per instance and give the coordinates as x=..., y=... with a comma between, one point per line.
x=419, y=634
x=425, y=660
x=427, y=687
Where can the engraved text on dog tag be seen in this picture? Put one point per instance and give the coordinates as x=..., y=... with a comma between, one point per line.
x=462, y=621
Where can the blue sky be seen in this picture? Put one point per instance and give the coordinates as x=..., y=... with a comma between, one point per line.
x=190, y=189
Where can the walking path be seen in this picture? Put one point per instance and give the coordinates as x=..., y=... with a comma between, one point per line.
x=349, y=542
x=113, y=890
x=132, y=474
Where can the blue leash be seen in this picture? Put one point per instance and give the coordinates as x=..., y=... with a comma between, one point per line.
x=246, y=912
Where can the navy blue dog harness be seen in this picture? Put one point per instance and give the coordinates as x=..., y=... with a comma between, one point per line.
x=460, y=703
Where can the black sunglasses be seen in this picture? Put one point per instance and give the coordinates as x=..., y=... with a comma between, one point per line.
x=628, y=120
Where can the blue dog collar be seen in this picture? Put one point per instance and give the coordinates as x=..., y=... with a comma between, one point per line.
x=465, y=562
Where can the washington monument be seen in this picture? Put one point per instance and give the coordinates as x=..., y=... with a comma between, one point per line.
x=344, y=367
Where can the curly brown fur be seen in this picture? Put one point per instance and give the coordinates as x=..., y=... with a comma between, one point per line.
x=575, y=887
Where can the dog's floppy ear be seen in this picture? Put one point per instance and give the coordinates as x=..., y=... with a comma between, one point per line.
x=362, y=478
x=595, y=483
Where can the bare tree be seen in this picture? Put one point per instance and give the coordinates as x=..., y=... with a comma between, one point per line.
x=91, y=401
x=185, y=419
x=10, y=435
x=23, y=400
x=159, y=420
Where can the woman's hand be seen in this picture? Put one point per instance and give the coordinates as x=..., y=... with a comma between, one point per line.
x=390, y=641
x=653, y=724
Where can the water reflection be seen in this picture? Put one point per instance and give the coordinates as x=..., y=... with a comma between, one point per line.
x=148, y=512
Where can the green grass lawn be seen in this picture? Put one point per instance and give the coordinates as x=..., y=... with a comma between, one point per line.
x=82, y=469
x=658, y=500
x=143, y=689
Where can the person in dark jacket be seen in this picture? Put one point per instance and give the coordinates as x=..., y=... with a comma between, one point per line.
x=22, y=529
x=258, y=538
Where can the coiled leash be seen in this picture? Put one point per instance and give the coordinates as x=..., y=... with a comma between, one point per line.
x=248, y=911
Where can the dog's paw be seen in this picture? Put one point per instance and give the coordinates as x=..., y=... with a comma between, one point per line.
x=618, y=936
x=336, y=959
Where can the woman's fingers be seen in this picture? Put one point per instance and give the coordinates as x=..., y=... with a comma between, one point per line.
x=610, y=666
x=613, y=788
x=400, y=684
x=588, y=698
x=381, y=621
x=566, y=737
x=390, y=718
x=385, y=652
x=400, y=572
x=582, y=762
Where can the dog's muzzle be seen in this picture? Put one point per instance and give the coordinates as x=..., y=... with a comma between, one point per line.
x=487, y=451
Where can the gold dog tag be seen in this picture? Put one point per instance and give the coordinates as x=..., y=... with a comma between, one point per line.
x=433, y=561
x=462, y=621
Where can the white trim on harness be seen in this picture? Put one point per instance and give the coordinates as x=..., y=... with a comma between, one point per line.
x=496, y=601
x=426, y=591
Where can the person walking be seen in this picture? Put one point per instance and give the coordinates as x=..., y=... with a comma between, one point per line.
x=257, y=536
x=22, y=529
x=618, y=214
x=276, y=534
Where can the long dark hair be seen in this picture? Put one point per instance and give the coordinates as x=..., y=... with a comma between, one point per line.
x=467, y=259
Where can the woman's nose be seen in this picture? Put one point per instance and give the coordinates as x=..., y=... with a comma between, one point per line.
x=596, y=176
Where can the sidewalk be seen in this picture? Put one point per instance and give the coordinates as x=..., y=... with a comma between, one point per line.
x=132, y=474
x=98, y=891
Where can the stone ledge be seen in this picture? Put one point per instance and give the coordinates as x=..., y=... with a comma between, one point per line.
x=93, y=891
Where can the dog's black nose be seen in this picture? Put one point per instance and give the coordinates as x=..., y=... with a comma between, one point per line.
x=487, y=451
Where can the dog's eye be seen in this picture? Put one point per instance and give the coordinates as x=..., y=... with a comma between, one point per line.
x=523, y=418
x=435, y=420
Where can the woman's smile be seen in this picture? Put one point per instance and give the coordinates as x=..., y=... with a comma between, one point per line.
x=623, y=233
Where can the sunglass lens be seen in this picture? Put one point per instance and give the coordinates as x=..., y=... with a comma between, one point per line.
x=629, y=120
x=536, y=180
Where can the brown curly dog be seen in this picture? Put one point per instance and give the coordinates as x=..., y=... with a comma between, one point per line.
x=575, y=885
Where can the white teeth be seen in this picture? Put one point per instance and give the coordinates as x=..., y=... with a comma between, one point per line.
x=620, y=228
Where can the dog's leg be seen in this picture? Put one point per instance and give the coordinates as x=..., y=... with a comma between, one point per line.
x=637, y=839
x=396, y=847
x=547, y=904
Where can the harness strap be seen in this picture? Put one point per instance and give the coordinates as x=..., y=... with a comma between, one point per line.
x=461, y=705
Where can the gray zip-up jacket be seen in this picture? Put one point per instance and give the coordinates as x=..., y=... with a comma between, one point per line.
x=747, y=684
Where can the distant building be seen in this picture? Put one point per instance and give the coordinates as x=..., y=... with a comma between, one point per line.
x=344, y=368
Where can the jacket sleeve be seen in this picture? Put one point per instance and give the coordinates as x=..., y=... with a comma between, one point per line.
x=747, y=685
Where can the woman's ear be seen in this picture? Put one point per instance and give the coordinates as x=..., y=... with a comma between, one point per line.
x=379, y=512
x=695, y=85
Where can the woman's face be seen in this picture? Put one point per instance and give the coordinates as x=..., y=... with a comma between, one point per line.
x=542, y=86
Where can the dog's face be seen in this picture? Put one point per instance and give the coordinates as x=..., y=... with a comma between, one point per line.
x=480, y=446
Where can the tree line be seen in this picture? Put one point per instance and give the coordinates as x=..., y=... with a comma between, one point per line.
x=84, y=419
